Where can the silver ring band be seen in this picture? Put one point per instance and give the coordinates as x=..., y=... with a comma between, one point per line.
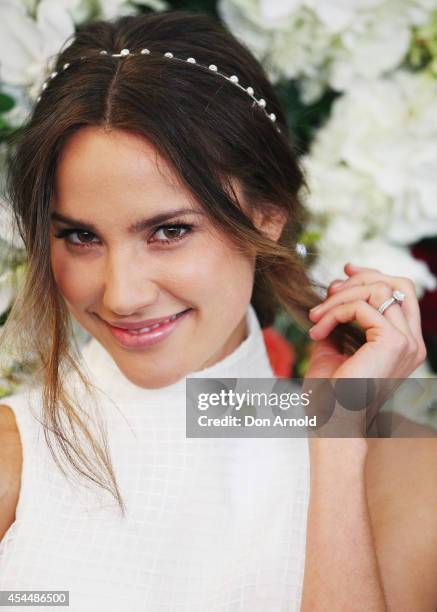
x=397, y=298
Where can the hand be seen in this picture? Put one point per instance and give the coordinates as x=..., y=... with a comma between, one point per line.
x=394, y=346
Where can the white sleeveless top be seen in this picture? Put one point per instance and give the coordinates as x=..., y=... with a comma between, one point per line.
x=212, y=525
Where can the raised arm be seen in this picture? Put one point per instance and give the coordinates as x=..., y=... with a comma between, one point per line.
x=341, y=568
x=342, y=571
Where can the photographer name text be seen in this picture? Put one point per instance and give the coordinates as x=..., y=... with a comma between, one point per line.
x=251, y=421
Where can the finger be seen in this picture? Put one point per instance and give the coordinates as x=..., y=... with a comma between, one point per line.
x=410, y=306
x=350, y=269
x=380, y=333
x=358, y=310
x=336, y=281
x=374, y=294
x=353, y=268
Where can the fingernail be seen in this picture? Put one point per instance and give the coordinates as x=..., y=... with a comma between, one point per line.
x=315, y=307
x=337, y=284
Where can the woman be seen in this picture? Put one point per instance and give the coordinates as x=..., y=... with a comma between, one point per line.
x=153, y=193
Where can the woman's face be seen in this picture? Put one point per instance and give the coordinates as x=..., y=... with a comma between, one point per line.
x=106, y=272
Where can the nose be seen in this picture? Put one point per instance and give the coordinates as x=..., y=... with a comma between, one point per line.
x=128, y=289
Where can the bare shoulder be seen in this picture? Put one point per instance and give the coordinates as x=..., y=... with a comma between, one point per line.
x=10, y=467
x=401, y=486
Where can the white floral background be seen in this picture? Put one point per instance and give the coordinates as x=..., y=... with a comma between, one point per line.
x=370, y=156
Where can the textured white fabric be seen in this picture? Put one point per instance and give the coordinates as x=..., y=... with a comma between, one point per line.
x=212, y=524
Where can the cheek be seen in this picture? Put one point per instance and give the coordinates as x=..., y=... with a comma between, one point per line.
x=220, y=274
x=73, y=284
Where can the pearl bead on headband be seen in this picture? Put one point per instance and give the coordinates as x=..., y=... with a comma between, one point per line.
x=260, y=102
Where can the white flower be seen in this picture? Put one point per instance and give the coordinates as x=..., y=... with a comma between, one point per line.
x=286, y=36
x=337, y=42
x=375, y=158
x=9, y=237
x=373, y=35
x=337, y=15
x=33, y=33
x=109, y=9
x=7, y=293
x=8, y=233
x=339, y=192
x=342, y=244
x=26, y=44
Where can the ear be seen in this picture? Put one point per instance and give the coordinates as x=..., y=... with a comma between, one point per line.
x=270, y=221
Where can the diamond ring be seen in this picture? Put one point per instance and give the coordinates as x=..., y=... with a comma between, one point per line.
x=397, y=297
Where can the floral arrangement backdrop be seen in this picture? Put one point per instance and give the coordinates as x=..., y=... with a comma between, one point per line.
x=359, y=84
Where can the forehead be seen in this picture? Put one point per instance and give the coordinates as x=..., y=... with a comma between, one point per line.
x=113, y=164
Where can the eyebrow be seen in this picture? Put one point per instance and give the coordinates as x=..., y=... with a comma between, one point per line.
x=134, y=228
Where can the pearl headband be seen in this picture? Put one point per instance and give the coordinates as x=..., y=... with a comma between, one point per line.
x=260, y=102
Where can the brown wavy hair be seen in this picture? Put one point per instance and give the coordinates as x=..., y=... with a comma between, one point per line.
x=209, y=132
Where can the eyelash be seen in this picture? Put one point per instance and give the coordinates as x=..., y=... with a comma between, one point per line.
x=63, y=234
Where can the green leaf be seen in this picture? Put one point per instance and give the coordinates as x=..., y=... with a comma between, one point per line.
x=6, y=103
x=309, y=237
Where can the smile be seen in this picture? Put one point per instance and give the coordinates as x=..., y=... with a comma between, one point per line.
x=148, y=336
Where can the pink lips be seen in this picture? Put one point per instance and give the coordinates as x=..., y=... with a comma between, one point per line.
x=129, y=339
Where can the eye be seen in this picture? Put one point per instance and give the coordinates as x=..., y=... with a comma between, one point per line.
x=66, y=233
x=171, y=234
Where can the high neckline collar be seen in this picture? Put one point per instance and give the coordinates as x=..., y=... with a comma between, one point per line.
x=248, y=360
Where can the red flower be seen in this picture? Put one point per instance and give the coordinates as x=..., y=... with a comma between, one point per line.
x=428, y=303
x=281, y=353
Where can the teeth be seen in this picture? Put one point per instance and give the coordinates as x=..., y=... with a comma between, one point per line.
x=147, y=329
